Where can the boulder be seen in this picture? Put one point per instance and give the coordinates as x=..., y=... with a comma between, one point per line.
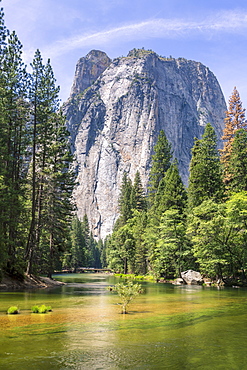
x=178, y=281
x=192, y=277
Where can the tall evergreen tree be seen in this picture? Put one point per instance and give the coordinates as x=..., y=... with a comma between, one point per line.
x=235, y=120
x=171, y=252
x=125, y=202
x=165, y=233
x=205, y=180
x=237, y=168
x=35, y=178
x=171, y=192
x=138, y=200
x=138, y=225
x=58, y=187
x=49, y=165
x=77, y=252
x=161, y=161
x=13, y=142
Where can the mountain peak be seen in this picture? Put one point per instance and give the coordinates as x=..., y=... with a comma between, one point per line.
x=115, y=123
x=88, y=69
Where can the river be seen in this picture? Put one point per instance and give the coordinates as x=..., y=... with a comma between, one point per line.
x=167, y=327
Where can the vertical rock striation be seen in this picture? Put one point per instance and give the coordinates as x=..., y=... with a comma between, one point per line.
x=115, y=113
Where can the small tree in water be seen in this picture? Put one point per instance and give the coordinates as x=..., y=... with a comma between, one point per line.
x=127, y=292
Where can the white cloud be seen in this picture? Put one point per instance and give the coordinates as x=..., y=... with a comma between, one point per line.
x=231, y=21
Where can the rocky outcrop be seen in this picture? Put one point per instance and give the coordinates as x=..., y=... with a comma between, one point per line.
x=114, y=123
x=88, y=69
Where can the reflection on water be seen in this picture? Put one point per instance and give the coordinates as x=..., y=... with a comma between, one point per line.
x=168, y=327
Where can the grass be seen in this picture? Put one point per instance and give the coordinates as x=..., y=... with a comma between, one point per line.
x=136, y=277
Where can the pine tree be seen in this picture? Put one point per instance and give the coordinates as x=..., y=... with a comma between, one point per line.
x=237, y=168
x=89, y=242
x=58, y=187
x=171, y=193
x=161, y=161
x=125, y=201
x=13, y=142
x=47, y=165
x=172, y=246
x=3, y=153
x=35, y=178
x=138, y=225
x=235, y=120
x=77, y=252
x=138, y=200
x=205, y=180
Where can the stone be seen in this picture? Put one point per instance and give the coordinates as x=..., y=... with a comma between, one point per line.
x=115, y=113
x=178, y=281
x=192, y=277
x=88, y=69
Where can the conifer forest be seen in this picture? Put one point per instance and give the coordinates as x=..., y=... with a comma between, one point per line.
x=161, y=231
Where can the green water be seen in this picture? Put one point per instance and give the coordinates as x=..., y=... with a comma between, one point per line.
x=168, y=327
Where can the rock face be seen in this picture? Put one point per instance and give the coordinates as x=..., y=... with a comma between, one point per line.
x=88, y=69
x=115, y=121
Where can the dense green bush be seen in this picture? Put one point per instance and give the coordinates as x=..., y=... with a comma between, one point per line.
x=13, y=310
x=41, y=309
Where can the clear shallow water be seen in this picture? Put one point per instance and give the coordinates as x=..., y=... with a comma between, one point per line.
x=168, y=327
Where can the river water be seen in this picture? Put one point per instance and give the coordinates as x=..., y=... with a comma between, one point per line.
x=167, y=327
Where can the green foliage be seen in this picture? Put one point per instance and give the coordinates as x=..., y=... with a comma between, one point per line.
x=35, y=178
x=50, y=178
x=41, y=309
x=137, y=197
x=14, y=140
x=13, y=310
x=125, y=204
x=169, y=248
x=83, y=250
x=127, y=292
x=160, y=164
x=37, y=231
x=219, y=237
x=205, y=180
x=171, y=193
x=35, y=309
x=237, y=165
x=209, y=233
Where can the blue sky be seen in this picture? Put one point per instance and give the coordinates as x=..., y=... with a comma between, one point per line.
x=213, y=32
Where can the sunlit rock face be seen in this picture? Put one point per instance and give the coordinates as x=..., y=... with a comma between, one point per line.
x=115, y=113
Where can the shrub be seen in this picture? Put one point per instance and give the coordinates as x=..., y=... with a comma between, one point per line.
x=41, y=309
x=126, y=292
x=13, y=310
x=35, y=309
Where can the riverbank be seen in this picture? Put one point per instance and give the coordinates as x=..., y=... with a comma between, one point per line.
x=29, y=282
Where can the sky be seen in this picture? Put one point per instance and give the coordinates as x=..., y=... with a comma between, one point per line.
x=213, y=32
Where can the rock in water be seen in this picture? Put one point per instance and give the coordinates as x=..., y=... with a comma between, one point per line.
x=115, y=113
x=192, y=277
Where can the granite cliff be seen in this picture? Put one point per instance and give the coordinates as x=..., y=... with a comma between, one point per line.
x=115, y=113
